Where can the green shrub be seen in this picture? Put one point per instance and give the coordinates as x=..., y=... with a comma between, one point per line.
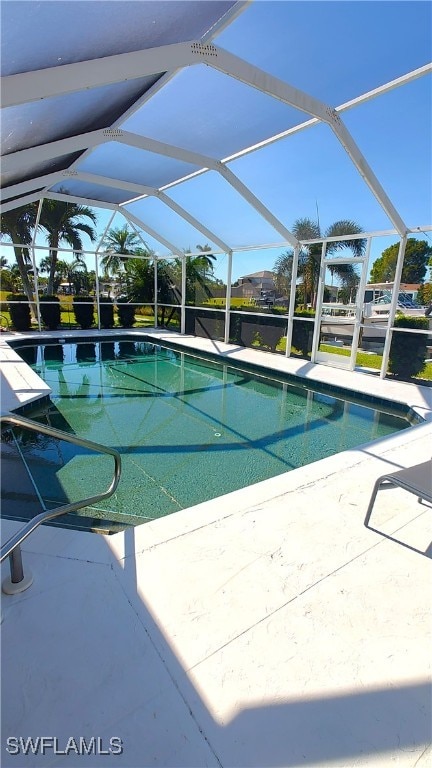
x=126, y=313
x=106, y=312
x=83, y=311
x=20, y=313
x=303, y=331
x=144, y=311
x=408, y=350
x=50, y=313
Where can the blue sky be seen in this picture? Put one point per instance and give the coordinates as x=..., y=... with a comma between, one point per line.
x=333, y=51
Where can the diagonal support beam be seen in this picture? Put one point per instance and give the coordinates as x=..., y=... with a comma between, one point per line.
x=23, y=158
x=143, y=190
x=366, y=172
x=79, y=200
x=107, y=181
x=72, y=77
x=28, y=186
x=229, y=64
x=20, y=201
x=152, y=232
x=168, y=150
x=245, y=192
x=20, y=159
x=193, y=221
x=241, y=70
x=95, y=73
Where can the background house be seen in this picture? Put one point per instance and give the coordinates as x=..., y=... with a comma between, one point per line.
x=255, y=286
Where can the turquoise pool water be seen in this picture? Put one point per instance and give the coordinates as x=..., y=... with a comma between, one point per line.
x=188, y=429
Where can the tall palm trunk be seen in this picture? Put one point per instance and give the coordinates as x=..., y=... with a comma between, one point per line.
x=22, y=266
x=53, y=264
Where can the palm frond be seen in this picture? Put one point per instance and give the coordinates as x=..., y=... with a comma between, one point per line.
x=306, y=229
x=346, y=227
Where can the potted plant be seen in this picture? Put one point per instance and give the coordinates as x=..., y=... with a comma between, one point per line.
x=83, y=309
x=408, y=350
x=19, y=309
x=50, y=311
x=126, y=312
x=106, y=312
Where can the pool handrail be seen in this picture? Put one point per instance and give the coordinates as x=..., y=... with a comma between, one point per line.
x=16, y=540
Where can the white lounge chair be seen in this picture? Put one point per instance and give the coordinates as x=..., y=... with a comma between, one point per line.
x=417, y=480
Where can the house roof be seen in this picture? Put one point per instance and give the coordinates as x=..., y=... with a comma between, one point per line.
x=263, y=274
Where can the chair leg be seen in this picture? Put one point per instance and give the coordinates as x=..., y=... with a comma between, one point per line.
x=372, y=501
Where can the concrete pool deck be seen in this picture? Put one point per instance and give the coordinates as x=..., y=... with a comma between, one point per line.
x=268, y=627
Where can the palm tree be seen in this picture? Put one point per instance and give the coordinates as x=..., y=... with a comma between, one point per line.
x=11, y=279
x=204, y=262
x=75, y=272
x=18, y=225
x=62, y=222
x=140, y=278
x=118, y=242
x=207, y=261
x=310, y=255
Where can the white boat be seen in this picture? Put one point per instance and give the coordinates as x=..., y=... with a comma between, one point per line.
x=337, y=320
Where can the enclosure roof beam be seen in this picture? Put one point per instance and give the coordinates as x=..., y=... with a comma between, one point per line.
x=33, y=86
x=193, y=221
x=80, y=200
x=27, y=186
x=23, y=158
x=167, y=150
x=357, y=101
x=24, y=200
x=256, y=203
x=107, y=181
x=241, y=70
x=39, y=84
x=143, y=190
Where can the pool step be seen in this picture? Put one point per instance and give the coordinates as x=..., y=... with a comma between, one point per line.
x=18, y=498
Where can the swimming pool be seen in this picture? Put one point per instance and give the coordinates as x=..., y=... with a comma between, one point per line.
x=189, y=428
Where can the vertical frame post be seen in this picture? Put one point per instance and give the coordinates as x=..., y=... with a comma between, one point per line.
x=183, y=297
x=359, y=307
x=228, y=298
x=319, y=302
x=291, y=307
x=393, y=305
x=155, y=288
x=99, y=246
x=33, y=257
x=97, y=290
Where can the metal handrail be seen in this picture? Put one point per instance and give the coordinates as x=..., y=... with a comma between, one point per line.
x=21, y=535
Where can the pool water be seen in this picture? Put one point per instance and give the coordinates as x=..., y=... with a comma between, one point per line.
x=189, y=429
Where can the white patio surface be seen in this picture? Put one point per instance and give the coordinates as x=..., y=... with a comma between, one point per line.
x=268, y=627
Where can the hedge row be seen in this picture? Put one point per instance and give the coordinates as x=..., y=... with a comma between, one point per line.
x=407, y=351
x=83, y=307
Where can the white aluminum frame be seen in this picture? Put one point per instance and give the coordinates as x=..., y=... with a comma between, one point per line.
x=42, y=84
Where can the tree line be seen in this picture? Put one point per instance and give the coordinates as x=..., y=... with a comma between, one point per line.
x=131, y=261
